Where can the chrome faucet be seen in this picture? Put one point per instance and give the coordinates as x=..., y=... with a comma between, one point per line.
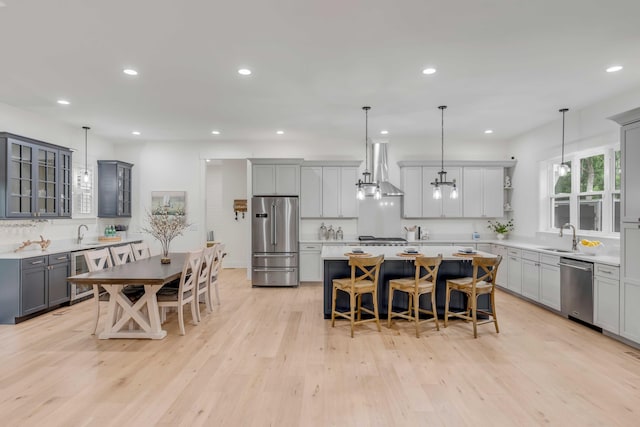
x=81, y=236
x=574, y=242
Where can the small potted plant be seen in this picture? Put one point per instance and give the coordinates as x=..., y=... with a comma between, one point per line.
x=165, y=227
x=500, y=228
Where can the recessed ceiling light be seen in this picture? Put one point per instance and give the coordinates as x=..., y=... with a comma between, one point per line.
x=215, y=132
x=244, y=71
x=130, y=72
x=63, y=102
x=614, y=68
x=280, y=132
x=488, y=131
x=384, y=132
x=429, y=71
x=135, y=132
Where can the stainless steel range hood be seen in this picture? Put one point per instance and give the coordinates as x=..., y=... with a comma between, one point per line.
x=381, y=170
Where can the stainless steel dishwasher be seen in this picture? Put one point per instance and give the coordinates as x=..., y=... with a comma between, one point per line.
x=576, y=289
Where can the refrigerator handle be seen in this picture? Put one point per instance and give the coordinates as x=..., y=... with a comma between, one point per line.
x=273, y=224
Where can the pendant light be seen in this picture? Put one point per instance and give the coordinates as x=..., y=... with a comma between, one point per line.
x=85, y=178
x=366, y=187
x=441, y=180
x=564, y=168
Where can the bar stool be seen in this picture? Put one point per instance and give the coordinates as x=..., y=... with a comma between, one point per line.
x=414, y=287
x=363, y=280
x=482, y=282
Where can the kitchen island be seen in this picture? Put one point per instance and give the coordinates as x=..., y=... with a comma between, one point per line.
x=336, y=265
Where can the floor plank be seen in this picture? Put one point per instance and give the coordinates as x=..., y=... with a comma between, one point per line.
x=266, y=357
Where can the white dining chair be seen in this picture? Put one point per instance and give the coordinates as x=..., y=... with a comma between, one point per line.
x=215, y=272
x=140, y=250
x=202, y=288
x=185, y=293
x=98, y=259
x=122, y=254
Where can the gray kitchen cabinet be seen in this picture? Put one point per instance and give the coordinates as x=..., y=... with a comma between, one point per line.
x=514, y=261
x=550, y=281
x=328, y=191
x=531, y=275
x=43, y=282
x=311, y=192
x=310, y=262
x=630, y=224
x=114, y=189
x=483, y=192
x=34, y=295
x=606, y=310
x=275, y=179
x=503, y=269
x=35, y=178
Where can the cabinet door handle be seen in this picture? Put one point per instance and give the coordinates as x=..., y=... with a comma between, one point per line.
x=37, y=262
x=61, y=258
x=605, y=271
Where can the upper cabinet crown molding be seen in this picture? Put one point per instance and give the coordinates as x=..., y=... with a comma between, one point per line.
x=263, y=161
x=627, y=117
x=460, y=163
x=337, y=163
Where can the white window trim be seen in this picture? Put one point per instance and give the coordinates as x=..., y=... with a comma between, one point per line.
x=546, y=224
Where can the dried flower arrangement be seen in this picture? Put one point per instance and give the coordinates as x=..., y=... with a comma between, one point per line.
x=165, y=227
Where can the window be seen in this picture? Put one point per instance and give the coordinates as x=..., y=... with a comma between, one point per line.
x=589, y=195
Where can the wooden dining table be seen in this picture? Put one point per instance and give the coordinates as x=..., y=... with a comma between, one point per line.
x=150, y=273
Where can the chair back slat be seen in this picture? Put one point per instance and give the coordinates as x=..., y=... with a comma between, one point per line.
x=140, y=250
x=430, y=266
x=98, y=259
x=485, y=269
x=217, y=260
x=207, y=264
x=369, y=267
x=190, y=274
x=122, y=254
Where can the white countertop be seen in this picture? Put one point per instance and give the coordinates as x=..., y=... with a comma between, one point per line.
x=60, y=246
x=331, y=252
x=342, y=246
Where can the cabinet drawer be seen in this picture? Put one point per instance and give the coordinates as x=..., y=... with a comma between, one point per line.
x=549, y=259
x=515, y=252
x=33, y=262
x=607, y=271
x=531, y=255
x=59, y=258
x=310, y=247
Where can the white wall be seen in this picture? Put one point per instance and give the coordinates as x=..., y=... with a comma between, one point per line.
x=584, y=128
x=34, y=126
x=226, y=180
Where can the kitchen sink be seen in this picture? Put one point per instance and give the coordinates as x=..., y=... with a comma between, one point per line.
x=561, y=251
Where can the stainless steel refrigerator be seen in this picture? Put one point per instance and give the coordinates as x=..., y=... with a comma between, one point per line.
x=274, y=237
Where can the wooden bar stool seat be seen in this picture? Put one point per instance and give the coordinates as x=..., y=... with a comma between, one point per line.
x=481, y=283
x=414, y=287
x=363, y=280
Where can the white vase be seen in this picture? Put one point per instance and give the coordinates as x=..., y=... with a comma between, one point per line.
x=501, y=236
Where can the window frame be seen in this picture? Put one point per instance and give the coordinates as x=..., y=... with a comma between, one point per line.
x=607, y=212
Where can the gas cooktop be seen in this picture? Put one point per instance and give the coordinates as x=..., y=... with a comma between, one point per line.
x=384, y=241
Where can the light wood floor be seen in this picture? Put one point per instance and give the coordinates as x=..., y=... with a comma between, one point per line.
x=266, y=357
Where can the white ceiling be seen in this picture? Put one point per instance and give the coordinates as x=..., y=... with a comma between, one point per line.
x=508, y=65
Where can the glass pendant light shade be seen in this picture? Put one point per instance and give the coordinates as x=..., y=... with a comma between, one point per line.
x=441, y=179
x=454, y=192
x=564, y=168
x=437, y=192
x=85, y=177
x=366, y=186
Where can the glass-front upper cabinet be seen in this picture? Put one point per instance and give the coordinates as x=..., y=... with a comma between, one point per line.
x=114, y=189
x=36, y=178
